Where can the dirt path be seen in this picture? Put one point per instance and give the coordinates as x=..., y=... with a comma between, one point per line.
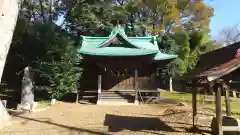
x=77, y=119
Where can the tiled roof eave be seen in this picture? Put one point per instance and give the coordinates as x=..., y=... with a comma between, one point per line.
x=117, y=54
x=221, y=70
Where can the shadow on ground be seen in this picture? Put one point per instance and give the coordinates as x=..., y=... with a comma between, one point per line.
x=80, y=130
x=69, y=97
x=197, y=130
x=118, y=123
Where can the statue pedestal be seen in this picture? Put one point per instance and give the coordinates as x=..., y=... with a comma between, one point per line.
x=53, y=101
x=28, y=107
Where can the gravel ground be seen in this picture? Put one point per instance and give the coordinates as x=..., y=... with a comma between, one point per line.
x=78, y=119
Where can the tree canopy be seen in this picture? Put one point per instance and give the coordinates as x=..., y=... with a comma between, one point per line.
x=48, y=29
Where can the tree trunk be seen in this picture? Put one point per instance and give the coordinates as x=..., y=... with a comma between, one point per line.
x=8, y=17
x=50, y=18
x=4, y=116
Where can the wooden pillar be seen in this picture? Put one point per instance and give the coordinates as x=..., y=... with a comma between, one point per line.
x=218, y=110
x=136, y=86
x=211, y=89
x=227, y=101
x=234, y=93
x=77, y=97
x=194, y=104
x=170, y=84
x=99, y=88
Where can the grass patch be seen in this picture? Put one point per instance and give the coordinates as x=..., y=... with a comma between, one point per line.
x=234, y=105
x=208, y=104
x=181, y=96
x=43, y=104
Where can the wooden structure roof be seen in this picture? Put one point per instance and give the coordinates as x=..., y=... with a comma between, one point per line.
x=119, y=44
x=212, y=66
x=217, y=63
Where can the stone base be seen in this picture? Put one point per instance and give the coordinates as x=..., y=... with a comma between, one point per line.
x=114, y=103
x=136, y=102
x=29, y=107
x=99, y=102
x=23, y=106
x=4, y=102
x=53, y=101
x=226, y=121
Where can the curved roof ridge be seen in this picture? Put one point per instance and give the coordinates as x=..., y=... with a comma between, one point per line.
x=123, y=36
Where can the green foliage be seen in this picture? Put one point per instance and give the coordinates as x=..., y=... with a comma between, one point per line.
x=196, y=38
x=181, y=27
x=208, y=44
x=180, y=23
x=61, y=72
x=58, y=65
x=51, y=52
x=187, y=46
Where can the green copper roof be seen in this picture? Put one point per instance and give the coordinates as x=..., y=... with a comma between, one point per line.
x=163, y=56
x=118, y=44
x=119, y=51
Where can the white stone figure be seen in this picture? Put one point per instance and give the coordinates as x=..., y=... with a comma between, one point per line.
x=27, y=93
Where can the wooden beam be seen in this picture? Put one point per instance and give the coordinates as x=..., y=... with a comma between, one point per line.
x=194, y=105
x=99, y=88
x=218, y=110
x=227, y=102
x=136, y=86
x=211, y=89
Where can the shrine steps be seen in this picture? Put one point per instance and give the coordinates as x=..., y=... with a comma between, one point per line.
x=117, y=96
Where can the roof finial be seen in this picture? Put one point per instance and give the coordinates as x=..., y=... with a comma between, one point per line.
x=117, y=28
x=119, y=23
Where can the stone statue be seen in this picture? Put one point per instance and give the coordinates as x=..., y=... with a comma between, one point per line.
x=27, y=94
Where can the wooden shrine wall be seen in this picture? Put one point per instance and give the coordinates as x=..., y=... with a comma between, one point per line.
x=124, y=80
x=118, y=79
x=119, y=75
x=148, y=79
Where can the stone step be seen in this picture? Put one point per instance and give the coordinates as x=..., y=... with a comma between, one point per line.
x=115, y=101
x=89, y=96
x=116, y=94
x=116, y=98
x=117, y=91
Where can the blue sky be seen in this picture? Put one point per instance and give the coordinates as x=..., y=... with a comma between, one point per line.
x=226, y=13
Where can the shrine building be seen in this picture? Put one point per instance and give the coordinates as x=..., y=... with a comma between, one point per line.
x=119, y=68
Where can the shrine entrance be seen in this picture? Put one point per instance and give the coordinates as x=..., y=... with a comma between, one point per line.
x=118, y=79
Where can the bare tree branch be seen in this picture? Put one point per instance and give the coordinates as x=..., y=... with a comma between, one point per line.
x=230, y=35
x=42, y=11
